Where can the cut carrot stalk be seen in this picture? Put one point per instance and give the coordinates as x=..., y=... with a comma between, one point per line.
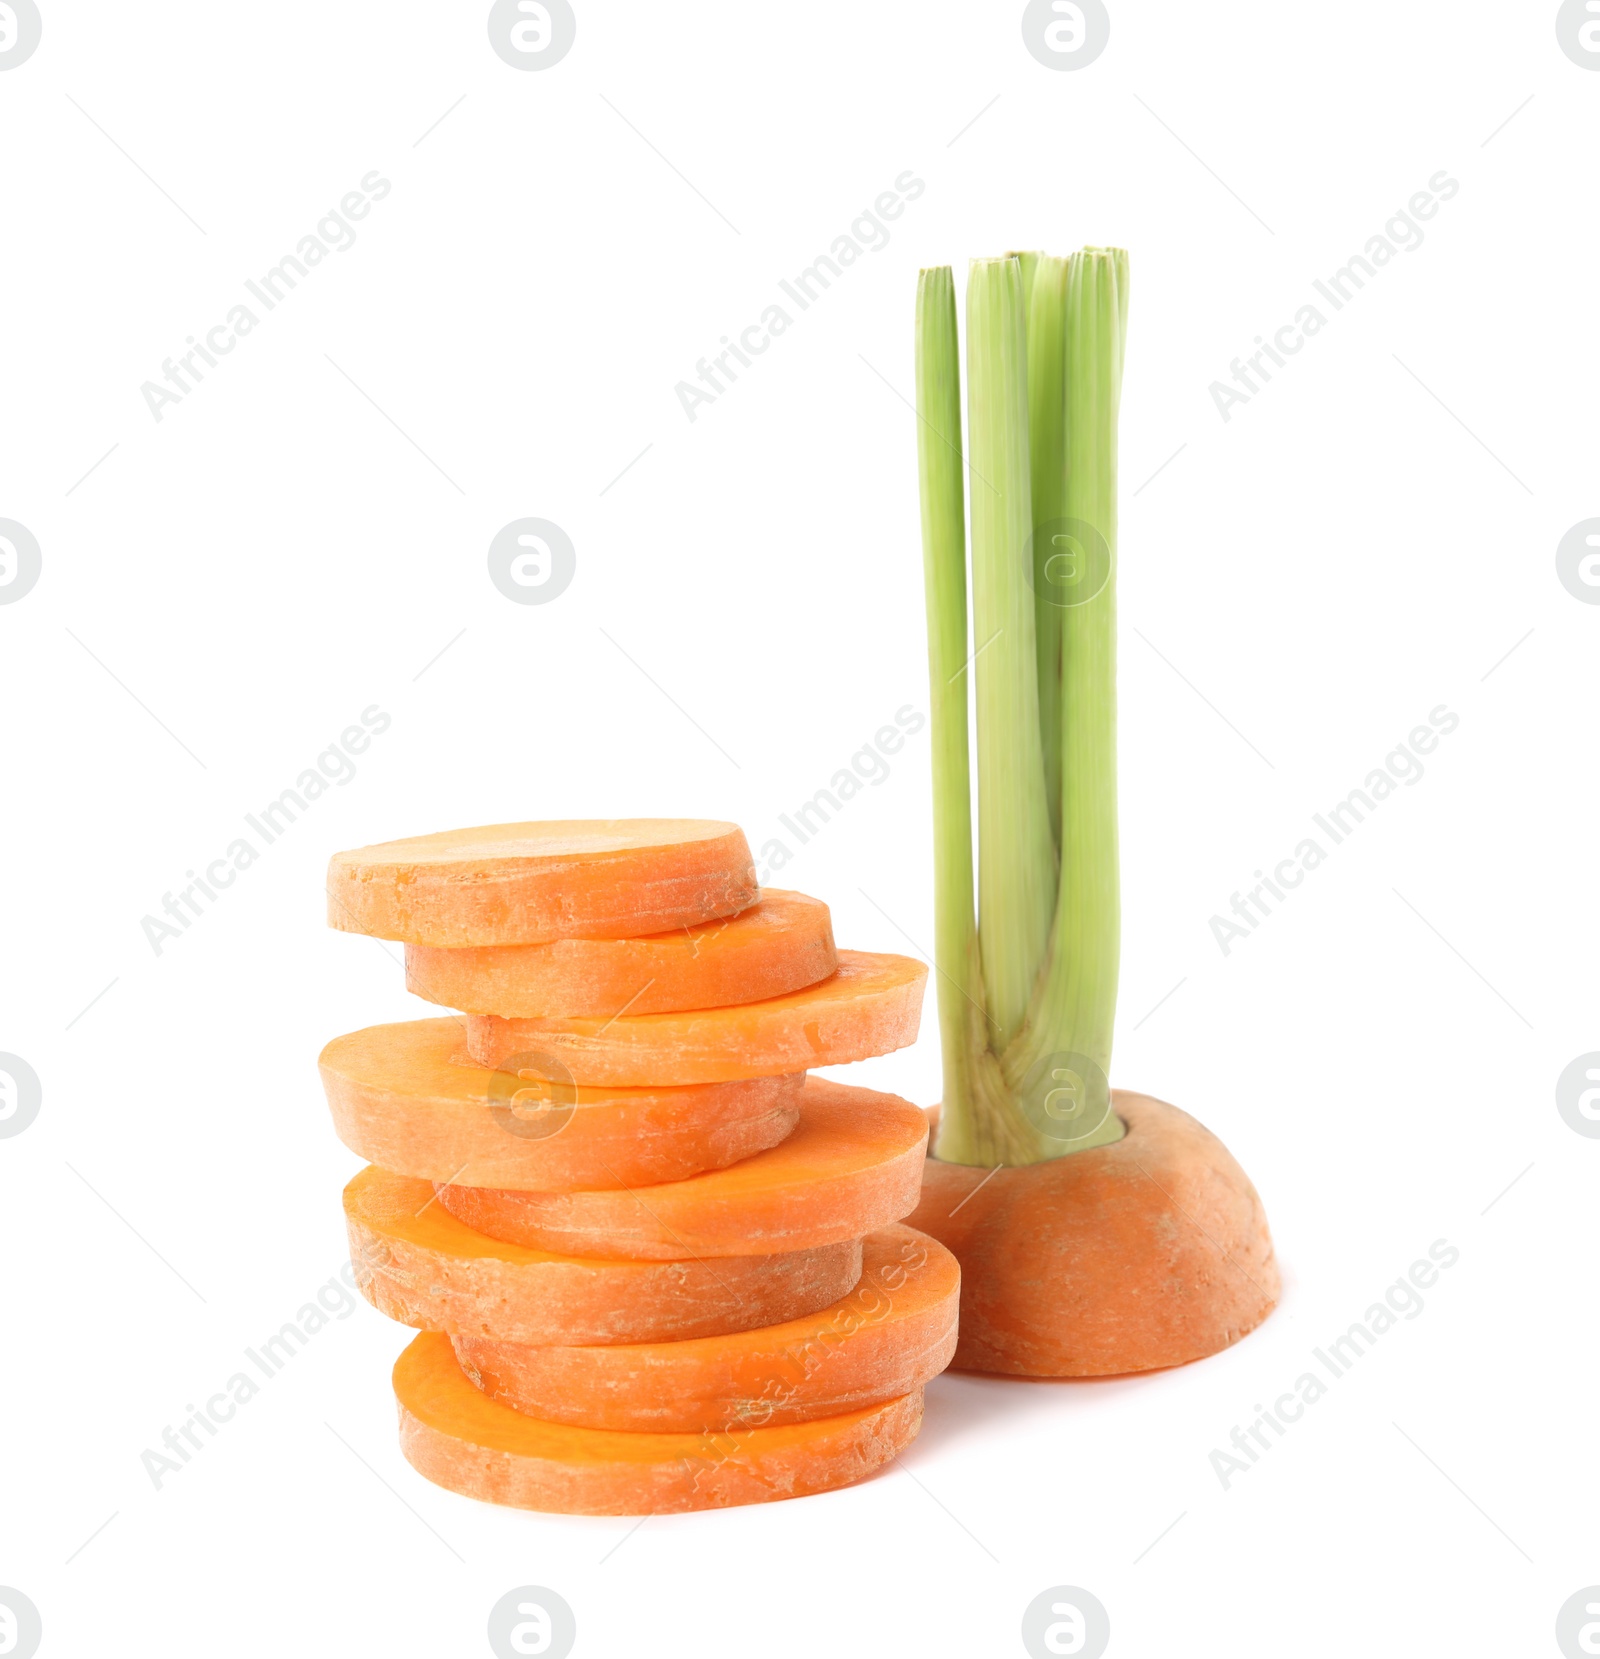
x=462, y=1440
x=853, y=1164
x=522, y=884
x=416, y=1263
x=1080, y=1255
x=872, y=1005
x=1147, y=1252
x=782, y=943
x=890, y=1335
x=399, y=1099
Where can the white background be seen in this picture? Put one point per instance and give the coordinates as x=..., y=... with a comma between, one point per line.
x=1300, y=585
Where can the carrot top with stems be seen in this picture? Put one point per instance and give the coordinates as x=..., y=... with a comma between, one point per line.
x=1027, y=949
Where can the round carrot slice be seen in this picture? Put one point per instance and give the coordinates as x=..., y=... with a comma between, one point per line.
x=893, y=1333
x=782, y=943
x=872, y=1005
x=415, y=1262
x=521, y=884
x=852, y=1165
x=462, y=1440
x=399, y=1098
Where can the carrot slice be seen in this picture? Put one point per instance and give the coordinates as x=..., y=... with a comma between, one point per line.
x=1147, y=1252
x=853, y=1164
x=870, y=1006
x=462, y=1440
x=782, y=943
x=520, y=884
x=893, y=1333
x=415, y=1262
x=399, y=1099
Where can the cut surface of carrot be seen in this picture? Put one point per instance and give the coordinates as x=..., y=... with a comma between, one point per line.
x=852, y=1165
x=462, y=1440
x=416, y=1263
x=1149, y=1252
x=522, y=884
x=399, y=1098
x=782, y=943
x=892, y=1334
x=871, y=1005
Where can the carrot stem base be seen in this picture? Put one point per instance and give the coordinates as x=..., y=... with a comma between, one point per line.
x=1150, y=1252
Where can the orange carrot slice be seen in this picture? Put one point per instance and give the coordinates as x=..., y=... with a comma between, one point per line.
x=520, y=884
x=462, y=1440
x=415, y=1262
x=852, y=1165
x=892, y=1334
x=782, y=943
x=399, y=1099
x=1149, y=1252
x=870, y=1006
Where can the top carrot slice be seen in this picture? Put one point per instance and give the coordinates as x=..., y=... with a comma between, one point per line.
x=782, y=943
x=523, y=884
x=871, y=1005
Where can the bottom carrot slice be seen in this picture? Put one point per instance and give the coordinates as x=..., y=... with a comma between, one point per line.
x=462, y=1440
x=892, y=1334
x=415, y=1262
x=853, y=1164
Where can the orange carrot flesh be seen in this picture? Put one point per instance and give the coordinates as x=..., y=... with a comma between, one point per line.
x=522, y=884
x=871, y=1005
x=462, y=1440
x=1147, y=1252
x=782, y=943
x=852, y=1165
x=416, y=1263
x=399, y=1098
x=890, y=1335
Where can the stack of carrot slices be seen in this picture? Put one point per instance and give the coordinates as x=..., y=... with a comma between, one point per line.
x=655, y=1265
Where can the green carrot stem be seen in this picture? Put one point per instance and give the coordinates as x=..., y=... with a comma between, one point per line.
x=1047, y=415
x=1016, y=858
x=1028, y=264
x=1027, y=995
x=1075, y=1009
x=944, y=562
